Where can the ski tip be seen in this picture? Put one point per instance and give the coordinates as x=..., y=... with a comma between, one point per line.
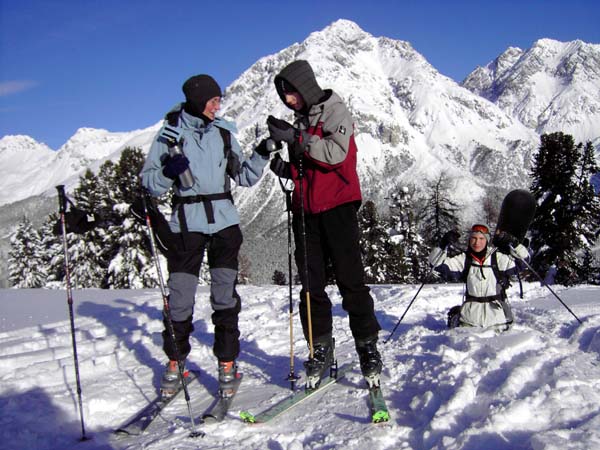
x=380, y=417
x=247, y=417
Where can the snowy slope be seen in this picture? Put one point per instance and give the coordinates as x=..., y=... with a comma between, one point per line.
x=534, y=387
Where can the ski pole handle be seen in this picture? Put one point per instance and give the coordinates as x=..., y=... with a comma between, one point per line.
x=62, y=198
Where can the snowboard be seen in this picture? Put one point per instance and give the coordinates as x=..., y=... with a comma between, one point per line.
x=516, y=213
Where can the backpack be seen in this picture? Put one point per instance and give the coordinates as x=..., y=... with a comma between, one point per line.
x=502, y=279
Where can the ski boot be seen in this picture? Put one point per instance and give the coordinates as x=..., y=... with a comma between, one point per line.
x=370, y=360
x=169, y=384
x=323, y=359
x=227, y=375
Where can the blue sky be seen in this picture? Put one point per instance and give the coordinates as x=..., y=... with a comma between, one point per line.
x=119, y=64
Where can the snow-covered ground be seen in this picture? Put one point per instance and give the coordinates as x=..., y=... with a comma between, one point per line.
x=536, y=386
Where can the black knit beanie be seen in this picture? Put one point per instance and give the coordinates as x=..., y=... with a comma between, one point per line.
x=198, y=90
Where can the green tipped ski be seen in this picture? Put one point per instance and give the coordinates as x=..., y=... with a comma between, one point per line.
x=247, y=417
x=289, y=402
x=380, y=416
x=379, y=411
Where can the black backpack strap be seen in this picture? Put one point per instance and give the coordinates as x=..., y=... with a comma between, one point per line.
x=468, y=264
x=501, y=278
x=233, y=163
x=205, y=199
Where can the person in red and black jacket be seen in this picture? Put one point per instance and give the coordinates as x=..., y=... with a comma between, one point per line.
x=322, y=139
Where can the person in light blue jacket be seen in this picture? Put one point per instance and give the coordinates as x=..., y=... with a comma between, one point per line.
x=196, y=155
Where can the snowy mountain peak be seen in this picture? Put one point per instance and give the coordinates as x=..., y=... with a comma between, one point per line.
x=343, y=29
x=553, y=86
x=21, y=143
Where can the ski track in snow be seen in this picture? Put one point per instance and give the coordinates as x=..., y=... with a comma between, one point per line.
x=536, y=386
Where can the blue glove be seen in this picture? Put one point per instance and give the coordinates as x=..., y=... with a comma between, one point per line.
x=171, y=134
x=175, y=165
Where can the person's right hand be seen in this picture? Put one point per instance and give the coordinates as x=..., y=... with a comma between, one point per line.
x=175, y=165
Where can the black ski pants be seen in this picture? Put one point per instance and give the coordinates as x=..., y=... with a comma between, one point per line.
x=184, y=265
x=333, y=236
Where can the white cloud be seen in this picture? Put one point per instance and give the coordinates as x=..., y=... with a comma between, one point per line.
x=14, y=87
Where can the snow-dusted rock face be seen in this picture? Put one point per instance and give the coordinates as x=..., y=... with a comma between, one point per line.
x=411, y=122
x=553, y=86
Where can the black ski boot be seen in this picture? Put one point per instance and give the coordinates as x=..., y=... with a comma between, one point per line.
x=323, y=359
x=370, y=360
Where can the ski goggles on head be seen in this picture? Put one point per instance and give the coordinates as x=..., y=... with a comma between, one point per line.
x=479, y=228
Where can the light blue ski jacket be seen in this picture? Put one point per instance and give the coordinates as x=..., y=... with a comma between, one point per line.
x=203, y=146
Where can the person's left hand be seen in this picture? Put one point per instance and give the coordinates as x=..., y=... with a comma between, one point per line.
x=504, y=241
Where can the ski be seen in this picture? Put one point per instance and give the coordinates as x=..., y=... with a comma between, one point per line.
x=137, y=424
x=296, y=398
x=218, y=410
x=379, y=411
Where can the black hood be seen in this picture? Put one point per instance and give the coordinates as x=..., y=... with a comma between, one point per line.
x=300, y=76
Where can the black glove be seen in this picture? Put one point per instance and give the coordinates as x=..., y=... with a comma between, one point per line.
x=280, y=167
x=297, y=149
x=281, y=130
x=268, y=146
x=449, y=238
x=504, y=241
x=175, y=165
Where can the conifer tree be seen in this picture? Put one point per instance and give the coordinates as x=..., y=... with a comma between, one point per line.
x=587, y=205
x=25, y=262
x=404, y=233
x=374, y=244
x=440, y=212
x=52, y=252
x=554, y=232
x=131, y=264
x=279, y=278
x=89, y=253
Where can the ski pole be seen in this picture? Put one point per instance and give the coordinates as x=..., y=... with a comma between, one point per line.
x=292, y=377
x=167, y=314
x=433, y=266
x=305, y=257
x=62, y=206
x=512, y=250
